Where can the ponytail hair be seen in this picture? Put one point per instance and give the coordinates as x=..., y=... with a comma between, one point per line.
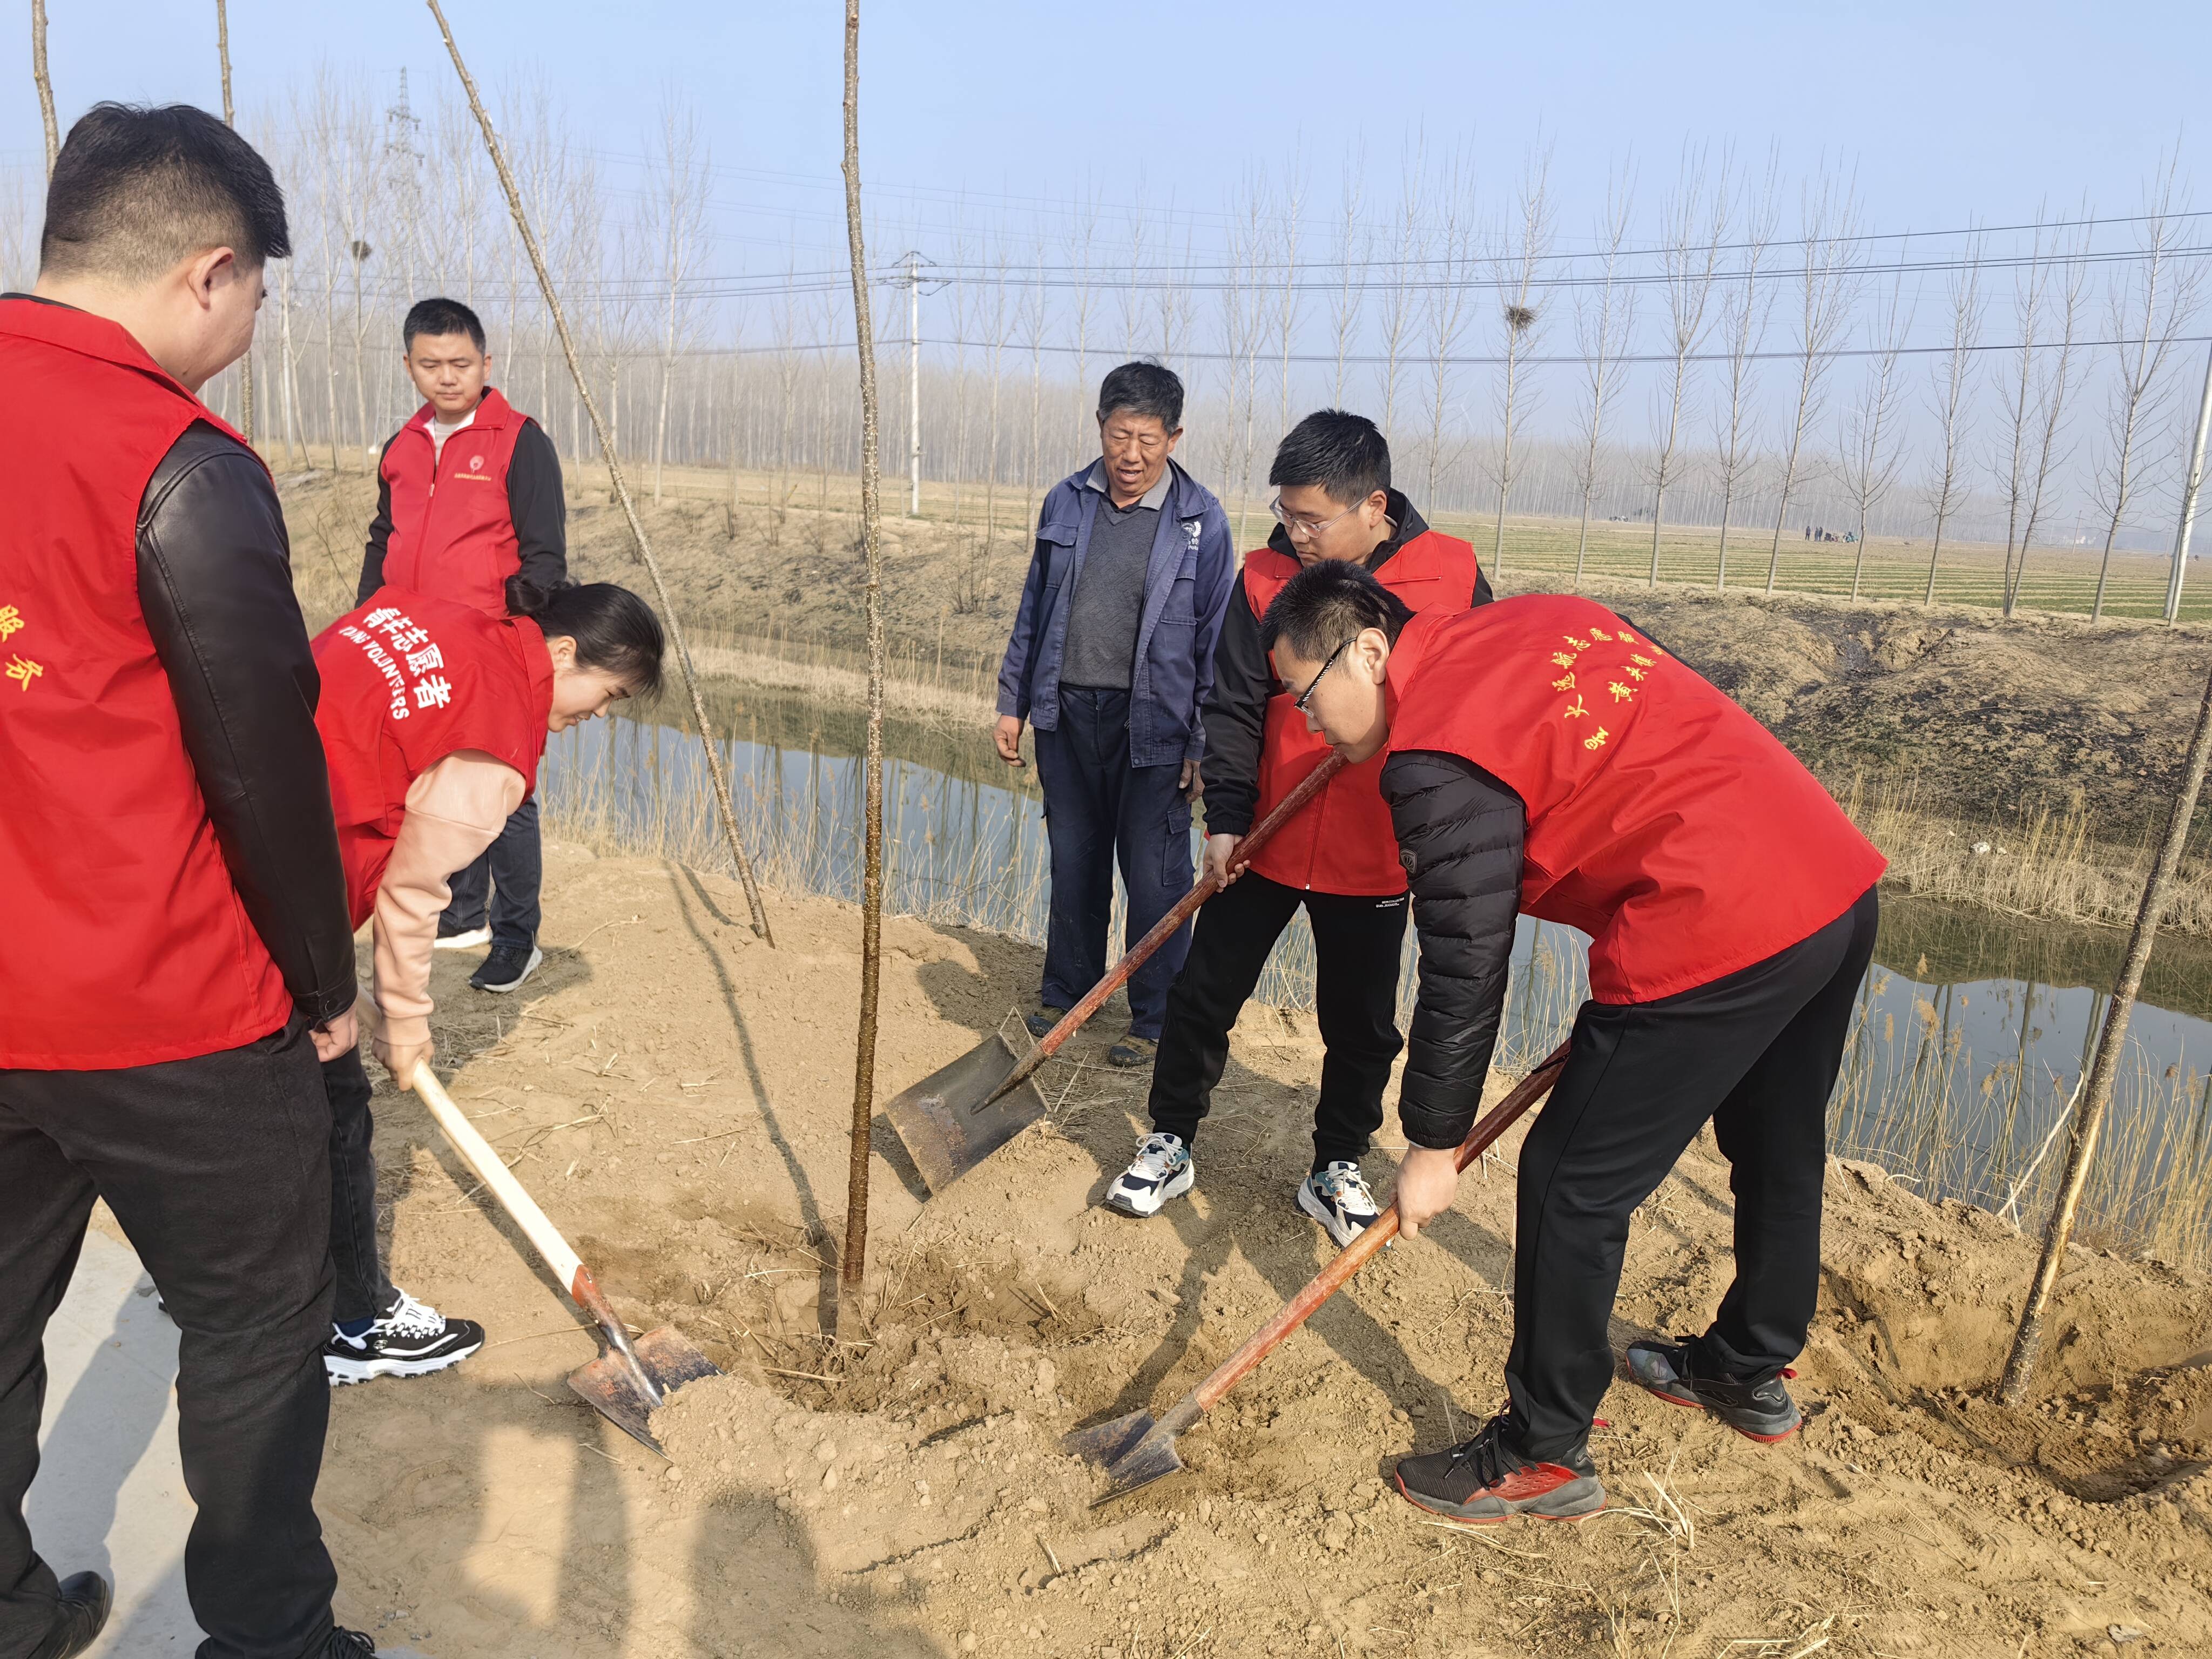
x=615, y=630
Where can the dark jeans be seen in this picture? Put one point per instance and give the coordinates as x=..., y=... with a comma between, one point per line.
x=217, y=1169
x=1098, y=809
x=1756, y=1051
x=504, y=882
x=1358, y=945
x=363, y=1292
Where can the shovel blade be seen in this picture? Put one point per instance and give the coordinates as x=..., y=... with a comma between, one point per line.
x=610, y=1387
x=943, y=1122
x=1135, y=1451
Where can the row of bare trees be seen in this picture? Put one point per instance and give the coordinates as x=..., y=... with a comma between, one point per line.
x=1749, y=354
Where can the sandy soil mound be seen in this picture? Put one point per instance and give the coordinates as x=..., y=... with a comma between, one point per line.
x=675, y=1094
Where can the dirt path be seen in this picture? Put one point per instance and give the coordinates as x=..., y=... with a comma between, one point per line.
x=676, y=1094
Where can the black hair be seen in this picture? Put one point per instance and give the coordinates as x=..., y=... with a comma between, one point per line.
x=1143, y=387
x=613, y=629
x=442, y=317
x=1346, y=455
x=1326, y=604
x=137, y=188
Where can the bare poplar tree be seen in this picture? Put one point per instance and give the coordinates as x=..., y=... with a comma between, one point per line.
x=1869, y=443
x=1289, y=299
x=1827, y=282
x=1411, y=237
x=229, y=120
x=1518, y=267
x=1955, y=376
x=2152, y=301
x=678, y=203
x=1447, y=304
x=1354, y=242
x=853, y=1260
x=1694, y=227
x=2055, y=380
x=1605, y=316
x=1747, y=305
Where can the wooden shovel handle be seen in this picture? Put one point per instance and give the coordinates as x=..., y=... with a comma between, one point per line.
x=1354, y=1256
x=1163, y=930
x=478, y=1153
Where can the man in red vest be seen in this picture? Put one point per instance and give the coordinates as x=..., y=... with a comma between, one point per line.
x=177, y=950
x=469, y=495
x=1336, y=857
x=1545, y=756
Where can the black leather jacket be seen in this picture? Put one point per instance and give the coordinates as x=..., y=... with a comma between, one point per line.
x=214, y=581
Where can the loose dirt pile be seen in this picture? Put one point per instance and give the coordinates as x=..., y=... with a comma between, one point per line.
x=675, y=1094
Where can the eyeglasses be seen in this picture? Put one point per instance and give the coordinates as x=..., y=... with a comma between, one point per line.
x=1307, y=528
x=1300, y=703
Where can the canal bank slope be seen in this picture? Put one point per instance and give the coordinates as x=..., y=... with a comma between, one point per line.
x=675, y=1094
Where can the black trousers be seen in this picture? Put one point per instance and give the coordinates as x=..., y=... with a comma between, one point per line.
x=363, y=1292
x=1757, y=1053
x=217, y=1168
x=1099, y=811
x=1359, y=943
x=503, y=884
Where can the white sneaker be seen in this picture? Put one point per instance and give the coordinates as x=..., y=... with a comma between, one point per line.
x=1163, y=1170
x=1337, y=1198
x=467, y=941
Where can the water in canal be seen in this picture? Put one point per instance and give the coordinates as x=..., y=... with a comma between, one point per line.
x=1974, y=1027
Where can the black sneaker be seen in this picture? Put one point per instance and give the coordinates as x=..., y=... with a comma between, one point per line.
x=348, y=1644
x=1484, y=1480
x=82, y=1604
x=413, y=1340
x=1759, y=1410
x=1133, y=1051
x=506, y=967
x=1042, y=1022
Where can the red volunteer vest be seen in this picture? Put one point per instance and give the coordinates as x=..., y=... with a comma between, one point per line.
x=1342, y=843
x=408, y=680
x=1662, y=820
x=123, y=942
x=453, y=536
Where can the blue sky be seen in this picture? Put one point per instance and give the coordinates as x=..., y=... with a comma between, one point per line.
x=1946, y=110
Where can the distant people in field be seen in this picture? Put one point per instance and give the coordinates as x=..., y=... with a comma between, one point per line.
x=1109, y=661
x=500, y=513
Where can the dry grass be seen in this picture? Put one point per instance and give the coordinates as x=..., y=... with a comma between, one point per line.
x=2047, y=865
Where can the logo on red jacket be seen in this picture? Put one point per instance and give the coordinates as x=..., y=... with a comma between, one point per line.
x=476, y=462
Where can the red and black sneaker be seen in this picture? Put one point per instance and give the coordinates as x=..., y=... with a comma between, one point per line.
x=1484, y=1480
x=1762, y=1410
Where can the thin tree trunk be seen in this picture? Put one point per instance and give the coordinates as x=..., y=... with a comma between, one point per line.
x=853, y=1260
x=529, y=239
x=2097, y=1092
x=230, y=120
x=43, y=82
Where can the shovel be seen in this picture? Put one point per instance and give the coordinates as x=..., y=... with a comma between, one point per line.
x=958, y=1115
x=1139, y=1448
x=628, y=1382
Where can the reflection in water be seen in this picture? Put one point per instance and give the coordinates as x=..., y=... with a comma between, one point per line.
x=1973, y=1028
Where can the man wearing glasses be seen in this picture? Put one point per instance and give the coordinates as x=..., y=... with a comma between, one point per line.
x=1110, y=659
x=1337, y=858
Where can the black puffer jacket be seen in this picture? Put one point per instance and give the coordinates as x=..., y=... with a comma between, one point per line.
x=1460, y=835
x=215, y=581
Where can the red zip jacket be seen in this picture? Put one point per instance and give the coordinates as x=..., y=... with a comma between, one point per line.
x=1662, y=819
x=408, y=680
x=1342, y=843
x=453, y=532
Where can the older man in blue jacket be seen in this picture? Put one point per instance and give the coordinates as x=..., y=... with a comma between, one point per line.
x=1110, y=660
